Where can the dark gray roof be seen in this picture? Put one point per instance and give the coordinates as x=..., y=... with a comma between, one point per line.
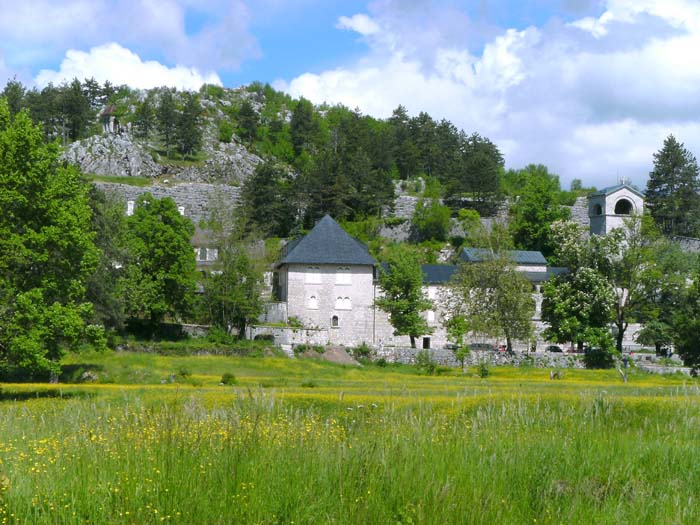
x=617, y=187
x=437, y=273
x=433, y=273
x=540, y=277
x=517, y=256
x=327, y=243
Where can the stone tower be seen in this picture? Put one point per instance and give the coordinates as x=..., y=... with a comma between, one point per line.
x=608, y=208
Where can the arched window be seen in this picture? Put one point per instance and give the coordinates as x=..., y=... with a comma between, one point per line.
x=343, y=303
x=313, y=303
x=623, y=207
x=597, y=209
x=334, y=322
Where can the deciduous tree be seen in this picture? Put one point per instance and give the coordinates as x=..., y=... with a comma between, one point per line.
x=402, y=294
x=46, y=251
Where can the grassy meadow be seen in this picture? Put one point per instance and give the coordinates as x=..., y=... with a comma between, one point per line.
x=158, y=440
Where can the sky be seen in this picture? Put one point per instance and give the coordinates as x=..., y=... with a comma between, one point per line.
x=589, y=88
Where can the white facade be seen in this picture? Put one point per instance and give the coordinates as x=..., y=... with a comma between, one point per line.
x=608, y=208
x=339, y=298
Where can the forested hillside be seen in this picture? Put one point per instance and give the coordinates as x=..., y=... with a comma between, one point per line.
x=316, y=160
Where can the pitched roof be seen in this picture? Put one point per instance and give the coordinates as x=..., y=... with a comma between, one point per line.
x=437, y=273
x=517, y=256
x=433, y=273
x=612, y=189
x=327, y=243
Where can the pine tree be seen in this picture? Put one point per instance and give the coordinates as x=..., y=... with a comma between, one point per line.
x=145, y=119
x=189, y=132
x=167, y=119
x=672, y=190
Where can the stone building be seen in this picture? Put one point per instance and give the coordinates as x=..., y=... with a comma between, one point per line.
x=326, y=282
x=609, y=207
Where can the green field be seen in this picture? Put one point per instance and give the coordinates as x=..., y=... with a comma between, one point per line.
x=302, y=441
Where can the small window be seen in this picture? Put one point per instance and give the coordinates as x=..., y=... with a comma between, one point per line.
x=342, y=276
x=343, y=303
x=212, y=254
x=597, y=209
x=313, y=275
x=426, y=343
x=334, y=322
x=181, y=210
x=129, y=208
x=313, y=303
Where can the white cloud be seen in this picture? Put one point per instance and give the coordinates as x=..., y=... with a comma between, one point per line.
x=592, y=99
x=203, y=34
x=121, y=66
x=359, y=23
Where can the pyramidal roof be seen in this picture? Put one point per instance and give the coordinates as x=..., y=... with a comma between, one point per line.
x=327, y=243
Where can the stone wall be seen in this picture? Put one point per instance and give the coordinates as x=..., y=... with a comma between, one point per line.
x=198, y=199
x=444, y=357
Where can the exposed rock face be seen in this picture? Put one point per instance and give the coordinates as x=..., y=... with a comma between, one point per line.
x=230, y=164
x=120, y=156
x=112, y=155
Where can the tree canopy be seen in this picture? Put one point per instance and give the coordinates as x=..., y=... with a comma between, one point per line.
x=402, y=294
x=672, y=193
x=47, y=252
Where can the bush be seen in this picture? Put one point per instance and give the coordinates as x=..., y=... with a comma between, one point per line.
x=220, y=336
x=381, y=362
x=483, y=370
x=362, y=352
x=601, y=350
x=225, y=131
x=598, y=358
x=309, y=383
x=425, y=362
x=228, y=379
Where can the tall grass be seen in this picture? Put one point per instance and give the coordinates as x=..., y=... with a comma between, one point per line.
x=363, y=446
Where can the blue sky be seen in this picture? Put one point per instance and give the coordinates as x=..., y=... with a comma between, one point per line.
x=589, y=88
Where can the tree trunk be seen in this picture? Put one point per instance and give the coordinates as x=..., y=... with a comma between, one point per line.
x=621, y=328
x=413, y=341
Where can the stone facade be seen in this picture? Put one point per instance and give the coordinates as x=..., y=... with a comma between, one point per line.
x=339, y=298
x=608, y=208
x=196, y=200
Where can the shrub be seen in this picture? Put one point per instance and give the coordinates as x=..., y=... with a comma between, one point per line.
x=184, y=373
x=309, y=383
x=425, y=362
x=294, y=322
x=381, y=362
x=220, y=336
x=483, y=369
x=300, y=349
x=228, y=379
x=225, y=131
x=362, y=352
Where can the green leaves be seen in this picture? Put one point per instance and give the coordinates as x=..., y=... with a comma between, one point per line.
x=46, y=250
x=403, y=299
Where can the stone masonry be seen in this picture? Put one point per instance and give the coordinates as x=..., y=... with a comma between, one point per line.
x=197, y=199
